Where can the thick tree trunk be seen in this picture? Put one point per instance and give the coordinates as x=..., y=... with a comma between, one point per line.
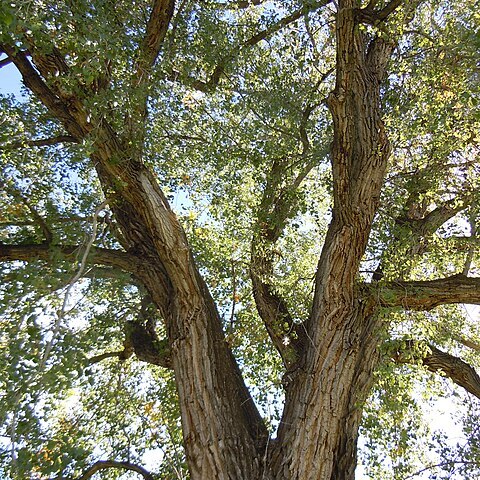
x=319, y=430
x=224, y=436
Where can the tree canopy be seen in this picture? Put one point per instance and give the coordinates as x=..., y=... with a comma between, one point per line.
x=235, y=234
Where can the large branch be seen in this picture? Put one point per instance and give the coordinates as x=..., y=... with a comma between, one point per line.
x=98, y=255
x=425, y=295
x=57, y=106
x=359, y=156
x=438, y=361
x=278, y=204
x=421, y=225
x=157, y=27
x=434, y=219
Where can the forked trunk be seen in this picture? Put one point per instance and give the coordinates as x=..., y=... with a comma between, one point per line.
x=224, y=435
x=319, y=430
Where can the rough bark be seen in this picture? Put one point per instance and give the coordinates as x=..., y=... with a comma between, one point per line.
x=427, y=294
x=222, y=429
x=224, y=435
x=319, y=429
x=97, y=255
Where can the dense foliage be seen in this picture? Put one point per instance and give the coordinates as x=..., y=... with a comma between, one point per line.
x=234, y=124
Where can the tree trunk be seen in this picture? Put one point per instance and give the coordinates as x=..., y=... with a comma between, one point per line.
x=224, y=435
x=319, y=430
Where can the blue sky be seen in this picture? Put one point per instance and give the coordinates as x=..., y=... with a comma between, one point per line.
x=10, y=80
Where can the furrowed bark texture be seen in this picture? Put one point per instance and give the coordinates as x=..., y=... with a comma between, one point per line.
x=329, y=372
x=319, y=430
x=223, y=432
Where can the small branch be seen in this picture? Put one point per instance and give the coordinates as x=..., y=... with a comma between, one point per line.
x=455, y=369
x=5, y=61
x=43, y=142
x=285, y=21
x=70, y=219
x=37, y=85
x=104, y=464
x=386, y=11
x=371, y=16
x=147, y=346
x=466, y=342
x=471, y=250
x=38, y=219
x=142, y=340
x=241, y=4
x=440, y=215
x=99, y=358
x=422, y=225
x=234, y=293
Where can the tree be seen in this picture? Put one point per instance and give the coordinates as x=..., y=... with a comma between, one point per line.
x=326, y=157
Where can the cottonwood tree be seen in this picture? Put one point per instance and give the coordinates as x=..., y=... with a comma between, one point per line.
x=226, y=225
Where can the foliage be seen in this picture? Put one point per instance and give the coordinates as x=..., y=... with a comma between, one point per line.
x=219, y=147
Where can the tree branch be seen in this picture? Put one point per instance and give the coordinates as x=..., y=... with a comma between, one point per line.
x=369, y=15
x=438, y=361
x=425, y=295
x=157, y=27
x=440, y=215
x=37, y=85
x=42, y=142
x=141, y=338
x=98, y=255
x=38, y=219
x=121, y=354
x=283, y=22
x=5, y=61
x=388, y=9
x=276, y=207
x=144, y=342
x=103, y=464
x=422, y=225
x=214, y=79
x=278, y=204
x=465, y=341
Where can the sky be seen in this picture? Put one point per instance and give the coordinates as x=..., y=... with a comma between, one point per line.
x=10, y=80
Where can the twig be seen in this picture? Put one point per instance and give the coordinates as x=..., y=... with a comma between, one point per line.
x=471, y=250
x=75, y=278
